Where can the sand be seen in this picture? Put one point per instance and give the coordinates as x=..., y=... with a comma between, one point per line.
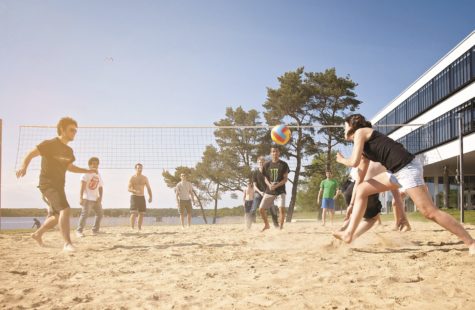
x=227, y=267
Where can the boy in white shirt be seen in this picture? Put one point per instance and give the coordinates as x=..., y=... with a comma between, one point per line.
x=91, y=197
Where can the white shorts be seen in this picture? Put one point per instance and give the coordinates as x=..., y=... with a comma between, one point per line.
x=410, y=176
x=269, y=200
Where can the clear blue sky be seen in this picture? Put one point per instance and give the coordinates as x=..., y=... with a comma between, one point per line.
x=183, y=62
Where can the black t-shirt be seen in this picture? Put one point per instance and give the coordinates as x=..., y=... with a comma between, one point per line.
x=55, y=159
x=258, y=178
x=389, y=153
x=274, y=173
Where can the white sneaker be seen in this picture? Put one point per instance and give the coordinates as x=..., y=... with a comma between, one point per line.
x=79, y=234
x=69, y=248
x=471, y=249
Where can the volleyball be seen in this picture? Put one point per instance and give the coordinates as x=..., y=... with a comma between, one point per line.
x=280, y=134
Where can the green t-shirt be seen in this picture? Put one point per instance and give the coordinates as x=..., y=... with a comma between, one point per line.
x=329, y=188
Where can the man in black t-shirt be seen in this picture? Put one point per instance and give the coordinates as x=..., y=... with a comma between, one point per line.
x=56, y=158
x=260, y=186
x=275, y=172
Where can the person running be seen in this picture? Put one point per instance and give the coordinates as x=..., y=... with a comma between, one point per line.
x=138, y=206
x=275, y=172
x=184, y=199
x=405, y=172
x=260, y=186
x=248, y=199
x=90, y=197
x=56, y=158
x=330, y=190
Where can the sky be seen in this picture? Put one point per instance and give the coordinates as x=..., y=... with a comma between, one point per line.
x=149, y=63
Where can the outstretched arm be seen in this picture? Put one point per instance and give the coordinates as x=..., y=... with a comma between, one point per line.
x=75, y=169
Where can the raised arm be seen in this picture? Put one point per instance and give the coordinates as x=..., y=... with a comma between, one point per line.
x=26, y=162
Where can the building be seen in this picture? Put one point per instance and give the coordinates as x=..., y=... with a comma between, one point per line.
x=433, y=104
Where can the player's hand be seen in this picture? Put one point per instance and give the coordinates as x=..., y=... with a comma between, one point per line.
x=21, y=172
x=81, y=201
x=339, y=157
x=150, y=200
x=318, y=201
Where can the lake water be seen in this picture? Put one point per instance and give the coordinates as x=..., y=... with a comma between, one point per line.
x=27, y=222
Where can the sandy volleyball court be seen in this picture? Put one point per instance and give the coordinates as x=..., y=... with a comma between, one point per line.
x=226, y=267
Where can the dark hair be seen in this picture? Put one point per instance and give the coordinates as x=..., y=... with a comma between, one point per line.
x=138, y=164
x=275, y=146
x=93, y=159
x=64, y=123
x=357, y=121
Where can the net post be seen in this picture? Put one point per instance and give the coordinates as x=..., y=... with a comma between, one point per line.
x=461, y=181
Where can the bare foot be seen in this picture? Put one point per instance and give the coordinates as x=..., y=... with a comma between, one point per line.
x=281, y=227
x=404, y=225
x=343, y=236
x=38, y=239
x=265, y=228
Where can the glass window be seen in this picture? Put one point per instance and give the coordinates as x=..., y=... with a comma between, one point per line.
x=460, y=71
x=441, y=85
x=425, y=96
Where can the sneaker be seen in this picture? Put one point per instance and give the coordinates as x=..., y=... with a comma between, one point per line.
x=471, y=249
x=79, y=234
x=69, y=248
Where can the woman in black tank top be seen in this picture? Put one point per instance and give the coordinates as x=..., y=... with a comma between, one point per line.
x=369, y=144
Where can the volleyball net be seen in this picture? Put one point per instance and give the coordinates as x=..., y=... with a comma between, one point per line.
x=158, y=147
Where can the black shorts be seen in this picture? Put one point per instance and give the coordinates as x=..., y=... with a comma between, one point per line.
x=374, y=206
x=56, y=199
x=137, y=204
x=348, y=192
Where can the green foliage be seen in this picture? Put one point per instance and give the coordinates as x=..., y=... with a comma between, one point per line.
x=331, y=97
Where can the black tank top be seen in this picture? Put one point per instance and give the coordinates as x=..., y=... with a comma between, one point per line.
x=389, y=153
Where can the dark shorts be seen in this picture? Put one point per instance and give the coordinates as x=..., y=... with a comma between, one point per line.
x=374, y=206
x=348, y=192
x=137, y=204
x=185, y=205
x=248, y=206
x=56, y=199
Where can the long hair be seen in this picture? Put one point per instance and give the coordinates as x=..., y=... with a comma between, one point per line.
x=357, y=121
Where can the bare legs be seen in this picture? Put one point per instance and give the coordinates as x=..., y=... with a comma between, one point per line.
x=48, y=224
x=263, y=213
x=379, y=183
x=425, y=205
x=51, y=222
